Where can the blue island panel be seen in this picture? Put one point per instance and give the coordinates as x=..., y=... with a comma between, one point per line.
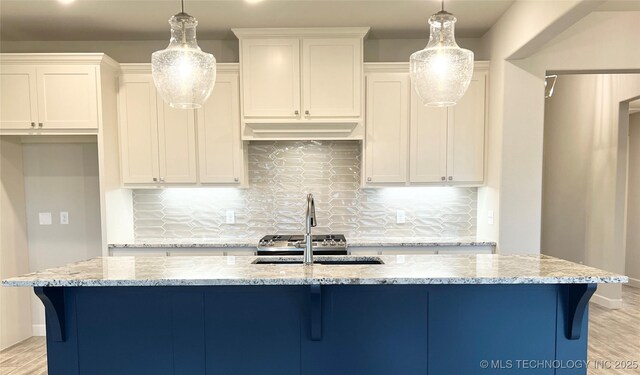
x=253, y=330
x=314, y=330
x=372, y=330
x=501, y=324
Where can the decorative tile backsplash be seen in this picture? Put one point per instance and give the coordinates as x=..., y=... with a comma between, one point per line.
x=281, y=173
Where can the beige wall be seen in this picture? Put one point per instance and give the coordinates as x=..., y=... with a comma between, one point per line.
x=633, y=213
x=61, y=177
x=598, y=42
x=15, y=321
x=569, y=127
x=581, y=154
x=225, y=51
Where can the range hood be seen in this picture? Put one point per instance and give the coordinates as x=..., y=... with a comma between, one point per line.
x=302, y=130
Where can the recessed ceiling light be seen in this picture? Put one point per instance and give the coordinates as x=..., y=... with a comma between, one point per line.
x=253, y=1
x=66, y=1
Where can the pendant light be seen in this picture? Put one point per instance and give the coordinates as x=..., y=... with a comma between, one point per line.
x=182, y=73
x=442, y=71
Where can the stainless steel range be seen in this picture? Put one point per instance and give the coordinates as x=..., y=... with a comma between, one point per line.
x=329, y=244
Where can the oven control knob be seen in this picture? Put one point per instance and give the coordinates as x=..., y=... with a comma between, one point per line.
x=270, y=243
x=332, y=243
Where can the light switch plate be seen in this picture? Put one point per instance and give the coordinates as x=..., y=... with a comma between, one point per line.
x=44, y=218
x=64, y=217
x=231, y=217
x=401, y=217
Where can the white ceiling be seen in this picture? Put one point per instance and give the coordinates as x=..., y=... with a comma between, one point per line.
x=147, y=19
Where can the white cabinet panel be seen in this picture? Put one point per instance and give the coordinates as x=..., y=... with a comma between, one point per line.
x=177, y=144
x=332, y=77
x=447, y=144
x=271, y=77
x=67, y=97
x=428, y=156
x=467, y=134
x=219, y=145
x=386, y=148
x=138, y=129
x=18, y=97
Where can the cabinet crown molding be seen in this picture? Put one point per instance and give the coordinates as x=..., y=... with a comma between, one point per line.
x=60, y=58
x=403, y=67
x=309, y=32
x=145, y=68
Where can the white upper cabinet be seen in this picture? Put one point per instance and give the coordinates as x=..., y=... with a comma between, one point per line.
x=386, y=146
x=220, y=149
x=271, y=78
x=176, y=145
x=161, y=145
x=157, y=142
x=67, y=97
x=428, y=161
x=41, y=92
x=465, y=157
x=447, y=144
x=301, y=83
x=408, y=143
x=138, y=129
x=332, y=77
x=18, y=97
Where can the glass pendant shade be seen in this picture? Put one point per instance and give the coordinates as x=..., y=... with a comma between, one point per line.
x=182, y=73
x=441, y=72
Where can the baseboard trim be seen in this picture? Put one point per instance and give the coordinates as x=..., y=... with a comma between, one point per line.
x=607, y=302
x=38, y=330
x=635, y=283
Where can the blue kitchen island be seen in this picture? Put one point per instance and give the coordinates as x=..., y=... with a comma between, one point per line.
x=418, y=314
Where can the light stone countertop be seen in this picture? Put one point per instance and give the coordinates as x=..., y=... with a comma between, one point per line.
x=355, y=242
x=239, y=270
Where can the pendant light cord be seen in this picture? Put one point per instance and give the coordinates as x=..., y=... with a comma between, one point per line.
x=441, y=9
x=182, y=4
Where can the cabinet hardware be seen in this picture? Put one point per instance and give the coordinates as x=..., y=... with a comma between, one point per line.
x=296, y=112
x=40, y=124
x=33, y=124
x=369, y=179
x=307, y=112
x=450, y=178
x=236, y=179
x=443, y=178
x=155, y=179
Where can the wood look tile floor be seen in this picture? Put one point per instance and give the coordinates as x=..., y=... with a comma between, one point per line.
x=614, y=335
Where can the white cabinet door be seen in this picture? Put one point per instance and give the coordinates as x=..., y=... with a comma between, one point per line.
x=467, y=134
x=18, y=97
x=387, y=124
x=176, y=144
x=220, y=153
x=332, y=77
x=271, y=77
x=138, y=129
x=428, y=155
x=67, y=97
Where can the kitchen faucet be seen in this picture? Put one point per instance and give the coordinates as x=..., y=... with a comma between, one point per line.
x=310, y=221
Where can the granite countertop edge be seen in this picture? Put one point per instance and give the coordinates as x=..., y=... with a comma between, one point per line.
x=355, y=243
x=322, y=281
x=241, y=271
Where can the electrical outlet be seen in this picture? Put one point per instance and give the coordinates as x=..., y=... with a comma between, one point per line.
x=401, y=217
x=64, y=217
x=44, y=218
x=490, y=217
x=231, y=217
